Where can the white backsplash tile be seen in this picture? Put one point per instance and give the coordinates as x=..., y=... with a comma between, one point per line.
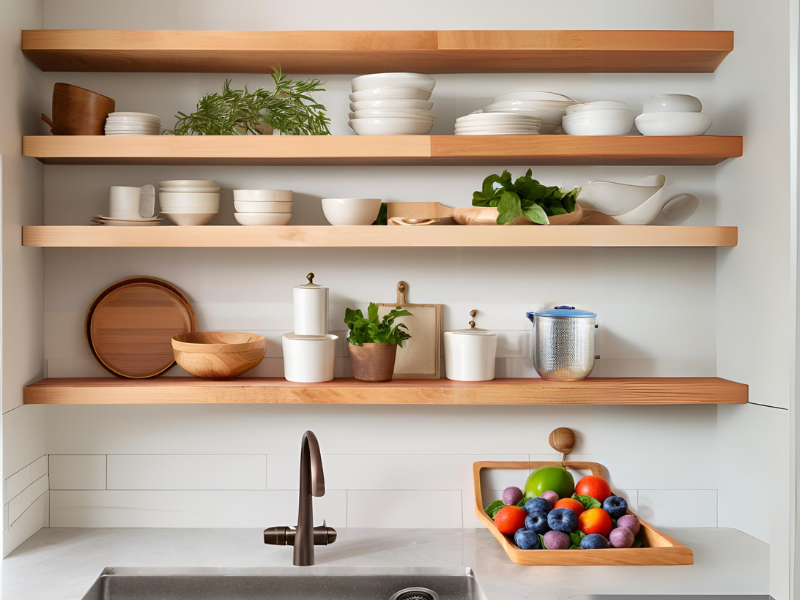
x=18, y=504
x=39, y=468
x=187, y=472
x=403, y=508
x=17, y=482
x=77, y=472
x=678, y=508
x=39, y=487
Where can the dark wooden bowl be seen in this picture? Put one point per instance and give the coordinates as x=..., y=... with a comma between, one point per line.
x=77, y=111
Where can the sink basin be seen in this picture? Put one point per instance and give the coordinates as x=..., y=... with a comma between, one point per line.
x=306, y=583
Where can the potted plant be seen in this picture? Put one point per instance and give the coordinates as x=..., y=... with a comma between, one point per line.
x=374, y=342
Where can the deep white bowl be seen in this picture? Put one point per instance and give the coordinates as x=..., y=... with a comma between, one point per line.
x=393, y=80
x=378, y=113
x=188, y=183
x=263, y=195
x=391, y=126
x=404, y=104
x=351, y=211
x=262, y=219
x=534, y=96
x=599, y=124
x=189, y=219
x=198, y=190
x=673, y=123
x=197, y=201
x=243, y=206
x=672, y=103
x=390, y=94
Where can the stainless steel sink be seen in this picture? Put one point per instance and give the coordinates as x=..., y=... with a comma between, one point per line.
x=308, y=583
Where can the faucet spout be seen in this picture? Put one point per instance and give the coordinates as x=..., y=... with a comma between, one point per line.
x=312, y=483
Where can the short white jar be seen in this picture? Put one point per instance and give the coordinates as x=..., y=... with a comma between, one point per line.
x=310, y=308
x=469, y=355
x=309, y=358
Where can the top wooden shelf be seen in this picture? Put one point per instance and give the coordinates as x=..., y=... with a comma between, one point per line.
x=375, y=51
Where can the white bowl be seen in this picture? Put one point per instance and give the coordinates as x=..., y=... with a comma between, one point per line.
x=498, y=130
x=391, y=126
x=351, y=211
x=599, y=105
x=377, y=113
x=614, y=198
x=522, y=119
x=243, y=206
x=178, y=190
x=309, y=358
x=497, y=133
x=189, y=219
x=188, y=211
x=262, y=219
x=390, y=94
x=208, y=202
x=590, y=124
x=393, y=104
x=393, y=80
x=673, y=123
x=135, y=115
x=263, y=195
x=190, y=183
x=672, y=103
x=548, y=117
x=534, y=96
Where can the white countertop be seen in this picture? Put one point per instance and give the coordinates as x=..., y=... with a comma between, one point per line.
x=61, y=564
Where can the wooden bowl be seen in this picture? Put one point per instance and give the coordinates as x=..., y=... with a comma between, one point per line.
x=218, y=354
x=77, y=111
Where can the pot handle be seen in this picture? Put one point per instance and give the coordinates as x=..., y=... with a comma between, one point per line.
x=530, y=316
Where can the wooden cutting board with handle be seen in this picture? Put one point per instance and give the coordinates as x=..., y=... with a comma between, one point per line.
x=420, y=356
x=421, y=210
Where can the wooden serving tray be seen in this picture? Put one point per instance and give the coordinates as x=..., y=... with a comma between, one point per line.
x=659, y=548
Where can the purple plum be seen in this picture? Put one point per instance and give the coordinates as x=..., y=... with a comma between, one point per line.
x=512, y=495
x=551, y=497
x=621, y=537
x=556, y=540
x=629, y=522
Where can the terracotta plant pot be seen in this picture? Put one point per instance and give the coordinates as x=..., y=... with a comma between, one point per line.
x=373, y=362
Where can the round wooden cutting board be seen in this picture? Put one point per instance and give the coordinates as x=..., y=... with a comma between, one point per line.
x=130, y=326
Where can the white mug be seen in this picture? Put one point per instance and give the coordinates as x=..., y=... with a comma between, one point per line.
x=131, y=202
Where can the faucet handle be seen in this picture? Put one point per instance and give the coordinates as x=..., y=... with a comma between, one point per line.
x=324, y=535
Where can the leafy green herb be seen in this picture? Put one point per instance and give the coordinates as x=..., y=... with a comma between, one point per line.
x=383, y=215
x=575, y=537
x=522, y=502
x=637, y=543
x=524, y=196
x=372, y=330
x=289, y=108
x=587, y=501
x=494, y=508
x=541, y=541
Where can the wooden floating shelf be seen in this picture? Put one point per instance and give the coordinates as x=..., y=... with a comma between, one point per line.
x=210, y=236
x=382, y=150
x=189, y=390
x=376, y=51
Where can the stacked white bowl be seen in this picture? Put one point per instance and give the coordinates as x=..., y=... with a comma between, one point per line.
x=605, y=117
x=262, y=207
x=481, y=123
x=673, y=114
x=549, y=107
x=132, y=123
x=189, y=201
x=392, y=104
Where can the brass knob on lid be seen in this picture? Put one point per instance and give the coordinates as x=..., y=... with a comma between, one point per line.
x=310, y=278
x=472, y=313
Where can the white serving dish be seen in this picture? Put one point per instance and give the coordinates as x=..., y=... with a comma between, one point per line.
x=390, y=94
x=673, y=123
x=309, y=358
x=188, y=183
x=391, y=126
x=614, y=198
x=194, y=200
x=243, y=206
x=390, y=114
x=187, y=219
x=263, y=195
x=469, y=355
x=499, y=117
x=534, y=96
x=599, y=105
x=351, y=211
x=598, y=123
x=672, y=103
x=393, y=80
x=262, y=219
x=393, y=104
x=497, y=133
x=488, y=128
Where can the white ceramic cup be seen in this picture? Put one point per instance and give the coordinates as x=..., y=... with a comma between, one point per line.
x=131, y=202
x=469, y=355
x=310, y=310
x=309, y=358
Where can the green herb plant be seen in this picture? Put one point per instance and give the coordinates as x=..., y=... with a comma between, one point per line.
x=524, y=196
x=289, y=108
x=372, y=330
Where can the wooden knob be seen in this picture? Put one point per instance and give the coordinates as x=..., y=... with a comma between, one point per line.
x=310, y=278
x=473, y=312
x=472, y=324
x=562, y=440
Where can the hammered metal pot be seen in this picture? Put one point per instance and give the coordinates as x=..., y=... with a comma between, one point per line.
x=563, y=343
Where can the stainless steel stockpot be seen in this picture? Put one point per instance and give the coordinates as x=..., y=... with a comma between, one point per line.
x=563, y=343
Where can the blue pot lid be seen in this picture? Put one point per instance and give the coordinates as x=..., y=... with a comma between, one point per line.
x=562, y=311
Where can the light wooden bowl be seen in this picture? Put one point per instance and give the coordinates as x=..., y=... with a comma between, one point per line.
x=218, y=354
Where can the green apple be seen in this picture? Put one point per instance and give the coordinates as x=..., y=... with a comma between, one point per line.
x=555, y=479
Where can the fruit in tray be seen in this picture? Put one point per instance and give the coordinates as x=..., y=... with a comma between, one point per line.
x=590, y=519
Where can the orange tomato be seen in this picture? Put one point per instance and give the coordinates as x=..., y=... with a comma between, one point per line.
x=595, y=520
x=509, y=519
x=572, y=504
x=593, y=486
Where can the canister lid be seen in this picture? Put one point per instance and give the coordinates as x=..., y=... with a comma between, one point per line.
x=562, y=311
x=310, y=285
x=473, y=331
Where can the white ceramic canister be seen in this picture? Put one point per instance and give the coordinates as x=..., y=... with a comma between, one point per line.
x=469, y=355
x=309, y=358
x=310, y=308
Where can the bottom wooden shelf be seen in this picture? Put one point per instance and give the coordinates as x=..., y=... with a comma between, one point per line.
x=190, y=390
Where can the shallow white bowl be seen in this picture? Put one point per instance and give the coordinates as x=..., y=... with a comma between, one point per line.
x=198, y=190
x=499, y=118
x=672, y=103
x=263, y=195
x=189, y=211
x=391, y=114
x=599, y=105
x=351, y=211
x=404, y=104
x=189, y=219
x=391, y=126
x=390, y=94
x=598, y=125
x=534, y=96
x=673, y=123
x=243, y=206
x=136, y=115
x=393, y=80
x=549, y=117
x=498, y=130
x=208, y=202
x=261, y=219
x=190, y=183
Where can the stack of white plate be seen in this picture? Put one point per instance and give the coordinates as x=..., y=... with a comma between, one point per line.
x=263, y=207
x=133, y=123
x=605, y=117
x=189, y=201
x=480, y=123
x=392, y=104
x=548, y=106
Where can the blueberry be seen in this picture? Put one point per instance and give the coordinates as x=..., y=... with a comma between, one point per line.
x=527, y=540
x=615, y=506
x=538, y=504
x=594, y=541
x=563, y=519
x=537, y=521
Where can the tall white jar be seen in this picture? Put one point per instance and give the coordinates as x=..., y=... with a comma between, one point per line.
x=469, y=355
x=310, y=308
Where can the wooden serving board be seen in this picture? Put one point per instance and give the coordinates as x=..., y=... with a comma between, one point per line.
x=420, y=357
x=421, y=210
x=658, y=549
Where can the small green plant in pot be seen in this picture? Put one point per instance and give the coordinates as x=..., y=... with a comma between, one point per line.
x=374, y=342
